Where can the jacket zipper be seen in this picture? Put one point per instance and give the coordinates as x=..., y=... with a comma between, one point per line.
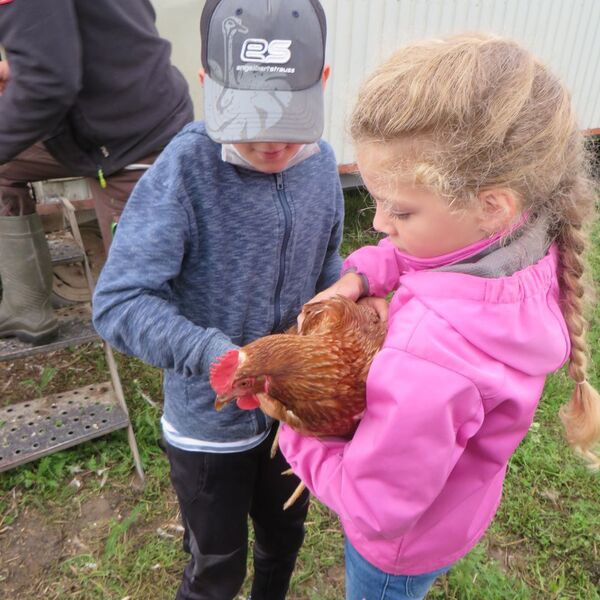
x=287, y=221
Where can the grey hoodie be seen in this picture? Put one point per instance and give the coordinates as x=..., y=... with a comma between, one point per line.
x=209, y=256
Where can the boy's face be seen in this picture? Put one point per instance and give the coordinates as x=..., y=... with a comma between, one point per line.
x=268, y=157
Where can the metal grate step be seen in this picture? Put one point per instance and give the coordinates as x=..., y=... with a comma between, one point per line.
x=63, y=248
x=75, y=327
x=30, y=430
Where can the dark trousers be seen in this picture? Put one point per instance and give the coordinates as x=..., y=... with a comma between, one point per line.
x=37, y=164
x=217, y=493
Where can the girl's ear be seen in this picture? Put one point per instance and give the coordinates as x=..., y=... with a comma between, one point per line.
x=201, y=74
x=499, y=207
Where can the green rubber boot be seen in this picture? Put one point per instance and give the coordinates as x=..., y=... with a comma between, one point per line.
x=26, y=273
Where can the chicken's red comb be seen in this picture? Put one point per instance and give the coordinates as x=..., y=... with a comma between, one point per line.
x=223, y=370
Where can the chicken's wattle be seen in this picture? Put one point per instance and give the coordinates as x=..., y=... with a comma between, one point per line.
x=248, y=402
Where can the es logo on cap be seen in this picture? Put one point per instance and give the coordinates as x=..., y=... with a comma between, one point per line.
x=261, y=51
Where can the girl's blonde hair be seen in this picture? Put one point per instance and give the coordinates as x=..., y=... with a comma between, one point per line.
x=483, y=113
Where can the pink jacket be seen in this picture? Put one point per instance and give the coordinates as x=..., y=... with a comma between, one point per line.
x=449, y=397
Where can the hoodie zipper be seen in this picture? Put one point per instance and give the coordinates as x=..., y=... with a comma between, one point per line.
x=287, y=222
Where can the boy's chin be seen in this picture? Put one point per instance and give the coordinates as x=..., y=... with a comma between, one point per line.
x=271, y=169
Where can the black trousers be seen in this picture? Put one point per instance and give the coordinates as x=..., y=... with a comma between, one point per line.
x=216, y=494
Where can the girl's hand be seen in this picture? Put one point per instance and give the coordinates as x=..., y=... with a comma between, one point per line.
x=351, y=285
x=379, y=305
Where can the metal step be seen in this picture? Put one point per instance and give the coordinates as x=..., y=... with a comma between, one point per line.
x=36, y=428
x=75, y=327
x=63, y=248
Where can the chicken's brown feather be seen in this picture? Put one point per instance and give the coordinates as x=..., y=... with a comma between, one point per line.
x=319, y=374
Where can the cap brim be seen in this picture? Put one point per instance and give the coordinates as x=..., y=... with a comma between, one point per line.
x=238, y=116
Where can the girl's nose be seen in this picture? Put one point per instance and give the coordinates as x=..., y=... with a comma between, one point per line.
x=381, y=220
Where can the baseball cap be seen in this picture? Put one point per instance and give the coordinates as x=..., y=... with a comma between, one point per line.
x=263, y=62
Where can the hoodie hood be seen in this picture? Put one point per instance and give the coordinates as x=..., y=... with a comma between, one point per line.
x=513, y=319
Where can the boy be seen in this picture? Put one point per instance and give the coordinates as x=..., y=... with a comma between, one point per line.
x=224, y=239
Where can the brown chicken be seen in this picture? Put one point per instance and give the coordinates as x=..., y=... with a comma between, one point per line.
x=314, y=378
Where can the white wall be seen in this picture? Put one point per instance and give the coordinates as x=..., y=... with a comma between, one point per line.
x=179, y=22
x=563, y=33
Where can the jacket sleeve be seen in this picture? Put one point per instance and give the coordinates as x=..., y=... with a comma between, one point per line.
x=131, y=303
x=43, y=48
x=378, y=264
x=333, y=261
x=418, y=419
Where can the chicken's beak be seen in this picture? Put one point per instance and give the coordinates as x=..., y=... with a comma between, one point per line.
x=222, y=400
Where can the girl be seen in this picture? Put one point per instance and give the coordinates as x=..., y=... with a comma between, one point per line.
x=470, y=148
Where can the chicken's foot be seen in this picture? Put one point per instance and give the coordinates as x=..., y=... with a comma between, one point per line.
x=275, y=443
x=297, y=492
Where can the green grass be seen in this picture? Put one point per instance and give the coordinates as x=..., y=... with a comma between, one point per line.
x=543, y=544
x=358, y=226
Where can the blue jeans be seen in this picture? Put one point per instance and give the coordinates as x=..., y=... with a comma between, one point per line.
x=364, y=581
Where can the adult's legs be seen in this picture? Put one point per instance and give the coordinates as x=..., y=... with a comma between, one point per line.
x=279, y=533
x=25, y=267
x=37, y=164
x=34, y=164
x=110, y=201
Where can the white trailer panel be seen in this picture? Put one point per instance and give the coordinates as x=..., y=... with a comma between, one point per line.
x=563, y=33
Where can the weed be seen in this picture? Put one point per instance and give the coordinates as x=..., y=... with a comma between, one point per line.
x=47, y=375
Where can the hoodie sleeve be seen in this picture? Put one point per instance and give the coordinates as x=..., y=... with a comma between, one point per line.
x=131, y=303
x=419, y=417
x=378, y=264
x=42, y=44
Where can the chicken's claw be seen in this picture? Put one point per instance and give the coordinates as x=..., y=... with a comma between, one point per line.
x=297, y=493
x=275, y=443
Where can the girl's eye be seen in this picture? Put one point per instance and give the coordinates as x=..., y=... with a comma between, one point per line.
x=390, y=209
x=399, y=215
